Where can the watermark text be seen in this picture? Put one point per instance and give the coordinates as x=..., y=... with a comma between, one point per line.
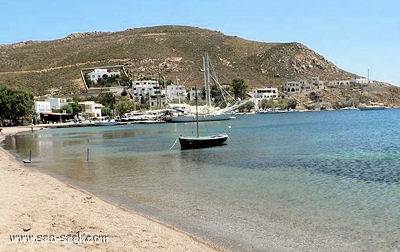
x=76, y=238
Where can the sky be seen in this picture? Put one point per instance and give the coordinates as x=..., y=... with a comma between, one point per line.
x=358, y=36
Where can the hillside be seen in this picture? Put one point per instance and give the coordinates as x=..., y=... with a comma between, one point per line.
x=168, y=52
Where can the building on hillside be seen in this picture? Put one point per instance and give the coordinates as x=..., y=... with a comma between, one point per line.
x=176, y=92
x=98, y=73
x=339, y=83
x=363, y=82
x=156, y=101
x=316, y=83
x=295, y=87
x=263, y=94
x=145, y=88
x=91, y=109
x=292, y=87
x=360, y=81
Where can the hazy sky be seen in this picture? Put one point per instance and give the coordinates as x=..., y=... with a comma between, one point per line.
x=356, y=35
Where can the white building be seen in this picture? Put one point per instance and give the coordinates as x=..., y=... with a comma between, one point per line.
x=57, y=103
x=295, y=87
x=263, y=94
x=98, y=73
x=292, y=87
x=360, y=81
x=145, y=88
x=50, y=104
x=91, y=108
x=350, y=82
x=176, y=92
x=157, y=101
x=339, y=83
x=42, y=107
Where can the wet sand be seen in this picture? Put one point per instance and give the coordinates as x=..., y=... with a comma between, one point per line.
x=33, y=203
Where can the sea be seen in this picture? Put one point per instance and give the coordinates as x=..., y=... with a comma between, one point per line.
x=300, y=181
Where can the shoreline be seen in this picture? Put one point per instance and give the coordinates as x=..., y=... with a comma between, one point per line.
x=34, y=203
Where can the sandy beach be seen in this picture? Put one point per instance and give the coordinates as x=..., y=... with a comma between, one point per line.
x=59, y=217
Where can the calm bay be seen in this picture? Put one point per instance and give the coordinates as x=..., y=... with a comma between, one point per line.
x=307, y=181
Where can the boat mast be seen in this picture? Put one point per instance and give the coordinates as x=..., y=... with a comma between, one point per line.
x=206, y=65
x=197, y=114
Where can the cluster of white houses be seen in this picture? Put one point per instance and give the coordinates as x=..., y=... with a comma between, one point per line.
x=350, y=82
x=45, y=109
x=152, y=92
x=295, y=87
x=156, y=96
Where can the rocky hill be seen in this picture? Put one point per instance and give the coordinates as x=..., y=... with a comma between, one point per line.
x=167, y=52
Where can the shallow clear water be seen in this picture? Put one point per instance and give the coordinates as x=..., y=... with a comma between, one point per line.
x=327, y=180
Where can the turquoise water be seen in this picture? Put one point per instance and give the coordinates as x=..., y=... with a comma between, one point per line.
x=296, y=181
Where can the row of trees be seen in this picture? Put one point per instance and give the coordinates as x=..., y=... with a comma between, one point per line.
x=280, y=103
x=15, y=105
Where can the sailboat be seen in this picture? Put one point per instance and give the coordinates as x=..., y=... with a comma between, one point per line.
x=207, y=112
x=201, y=141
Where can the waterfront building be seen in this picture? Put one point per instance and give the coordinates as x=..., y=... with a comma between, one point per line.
x=57, y=103
x=91, y=109
x=263, y=94
x=42, y=107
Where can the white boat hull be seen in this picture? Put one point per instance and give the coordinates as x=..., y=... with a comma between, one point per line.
x=202, y=118
x=105, y=123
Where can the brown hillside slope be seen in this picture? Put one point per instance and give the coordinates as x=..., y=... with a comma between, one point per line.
x=160, y=52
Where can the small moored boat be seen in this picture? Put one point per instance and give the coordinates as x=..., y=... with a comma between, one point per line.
x=105, y=123
x=196, y=142
x=202, y=141
x=372, y=107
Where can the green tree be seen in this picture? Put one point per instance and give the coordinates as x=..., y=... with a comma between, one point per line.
x=239, y=88
x=67, y=108
x=106, y=111
x=291, y=104
x=125, y=80
x=267, y=104
x=168, y=82
x=72, y=108
x=15, y=104
x=123, y=107
x=107, y=99
x=248, y=106
x=217, y=96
